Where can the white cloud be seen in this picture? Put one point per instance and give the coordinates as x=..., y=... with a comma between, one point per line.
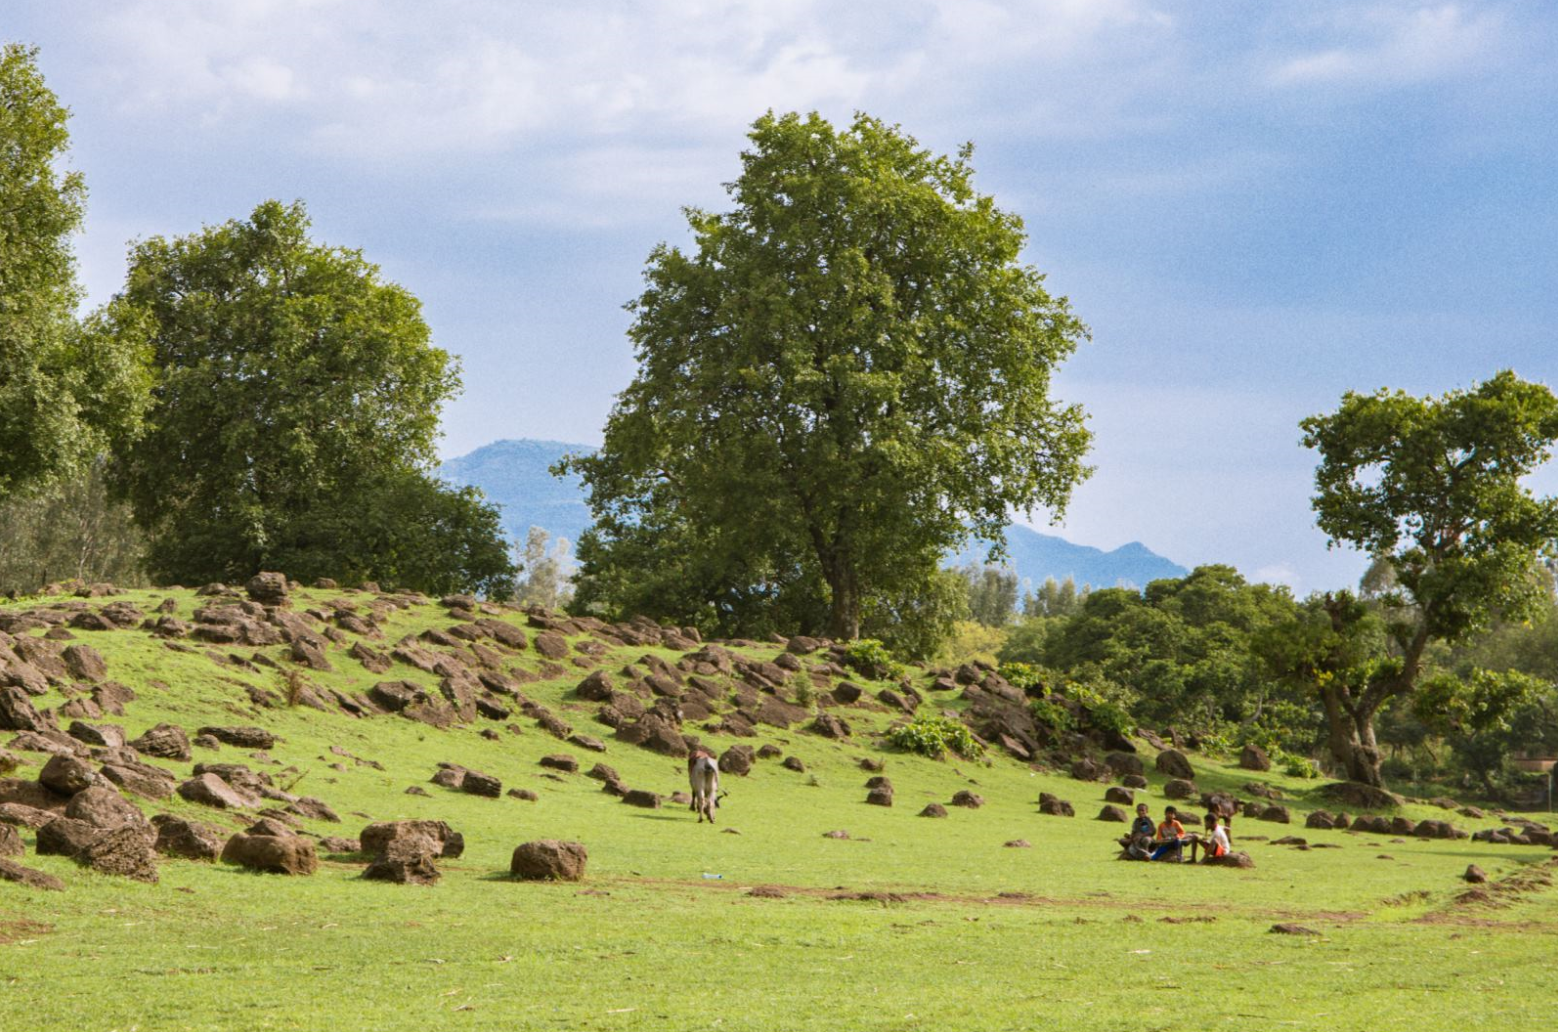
x=1392, y=46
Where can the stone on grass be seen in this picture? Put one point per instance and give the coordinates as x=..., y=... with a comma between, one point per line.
x=102, y=807
x=125, y=851
x=479, y=784
x=1018, y=843
x=10, y=841
x=1054, y=806
x=406, y=861
x=642, y=797
x=561, y=761
x=1475, y=874
x=1112, y=813
x=794, y=763
x=1174, y=763
x=376, y=837
x=1118, y=794
x=933, y=810
x=211, y=790
x=1179, y=788
x=272, y=854
x=64, y=836
x=967, y=799
x=549, y=860
x=67, y=775
x=242, y=737
x=522, y=793
x=1253, y=757
x=186, y=839
x=880, y=796
x=14, y=872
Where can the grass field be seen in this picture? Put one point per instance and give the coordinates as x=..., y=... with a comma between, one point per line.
x=955, y=930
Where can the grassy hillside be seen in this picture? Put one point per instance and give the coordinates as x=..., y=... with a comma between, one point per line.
x=910, y=922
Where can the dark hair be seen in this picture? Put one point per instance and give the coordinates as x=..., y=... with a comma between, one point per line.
x=1168, y=810
x=1211, y=818
x=1141, y=806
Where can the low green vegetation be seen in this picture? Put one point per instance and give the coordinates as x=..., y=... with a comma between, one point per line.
x=909, y=922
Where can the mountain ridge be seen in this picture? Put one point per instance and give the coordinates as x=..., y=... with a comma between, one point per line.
x=515, y=474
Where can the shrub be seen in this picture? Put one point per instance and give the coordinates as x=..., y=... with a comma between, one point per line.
x=1051, y=715
x=805, y=692
x=870, y=658
x=933, y=736
x=1297, y=766
x=1107, y=716
x=1023, y=675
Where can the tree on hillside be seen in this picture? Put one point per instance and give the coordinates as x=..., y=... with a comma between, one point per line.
x=1181, y=648
x=847, y=375
x=68, y=529
x=545, y=567
x=63, y=387
x=992, y=594
x=1431, y=487
x=294, y=413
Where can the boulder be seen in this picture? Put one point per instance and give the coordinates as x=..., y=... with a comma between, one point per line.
x=14, y=872
x=142, y=779
x=1116, y=794
x=1320, y=819
x=552, y=645
x=1123, y=763
x=596, y=688
x=933, y=810
x=1475, y=874
x=1088, y=769
x=560, y=761
x=1054, y=806
x=242, y=737
x=1112, y=813
x=109, y=736
x=1231, y=860
x=1361, y=796
x=655, y=733
x=642, y=797
x=25, y=816
x=794, y=763
x=479, y=784
x=187, y=839
x=829, y=726
x=102, y=807
x=125, y=851
x=967, y=799
x=313, y=809
x=268, y=588
x=880, y=796
x=738, y=760
x=846, y=693
x=549, y=860
x=376, y=837
x=1179, y=788
x=1134, y=781
x=1253, y=757
x=84, y=663
x=211, y=790
x=602, y=772
x=1276, y=814
x=406, y=861
x=1174, y=763
x=67, y=775
x=64, y=836
x=165, y=741
x=30, y=793
x=273, y=854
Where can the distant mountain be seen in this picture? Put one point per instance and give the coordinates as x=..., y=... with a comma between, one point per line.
x=1037, y=556
x=515, y=475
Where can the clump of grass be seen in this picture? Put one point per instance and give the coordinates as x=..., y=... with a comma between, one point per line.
x=293, y=684
x=935, y=736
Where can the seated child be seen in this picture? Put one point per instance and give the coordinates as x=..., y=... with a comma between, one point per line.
x=1171, y=837
x=1216, y=842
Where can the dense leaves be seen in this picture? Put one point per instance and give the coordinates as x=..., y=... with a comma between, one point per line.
x=293, y=417
x=64, y=387
x=848, y=374
x=1432, y=488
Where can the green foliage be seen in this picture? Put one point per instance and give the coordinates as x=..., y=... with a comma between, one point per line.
x=1055, y=599
x=1023, y=675
x=848, y=374
x=1432, y=488
x=918, y=623
x=1051, y=715
x=294, y=415
x=1182, y=647
x=1109, y=716
x=934, y=736
x=1025, y=640
x=871, y=658
x=971, y=641
x=545, y=567
x=1295, y=766
x=65, y=388
x=68, y=530
x=992, y=594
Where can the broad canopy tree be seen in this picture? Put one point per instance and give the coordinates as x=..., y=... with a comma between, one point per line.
x=1432, y=488
x=848, y=373
x=293, y=418
x=64, y=386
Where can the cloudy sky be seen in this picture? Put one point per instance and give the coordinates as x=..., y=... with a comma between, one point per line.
x=1255, y=204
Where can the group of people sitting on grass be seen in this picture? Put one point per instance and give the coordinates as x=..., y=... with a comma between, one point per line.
x=1167, y=840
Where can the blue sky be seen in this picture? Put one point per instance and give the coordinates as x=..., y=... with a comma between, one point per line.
x=1255, y=205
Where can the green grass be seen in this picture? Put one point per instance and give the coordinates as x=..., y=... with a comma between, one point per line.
x=984, y=937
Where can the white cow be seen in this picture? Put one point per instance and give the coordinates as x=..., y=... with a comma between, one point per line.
x=703, y=773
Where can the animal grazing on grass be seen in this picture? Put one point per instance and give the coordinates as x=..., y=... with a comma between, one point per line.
x=703, y=773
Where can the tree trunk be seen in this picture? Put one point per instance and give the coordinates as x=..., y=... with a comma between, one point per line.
x=1350, y=732
x=844, y=621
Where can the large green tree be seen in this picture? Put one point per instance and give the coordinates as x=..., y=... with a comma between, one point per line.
x=1432, y=488
x=848, y=373
x=63, y=386
x=294, y=415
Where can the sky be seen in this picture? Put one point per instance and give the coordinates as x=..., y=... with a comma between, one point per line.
x=1256, y=205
